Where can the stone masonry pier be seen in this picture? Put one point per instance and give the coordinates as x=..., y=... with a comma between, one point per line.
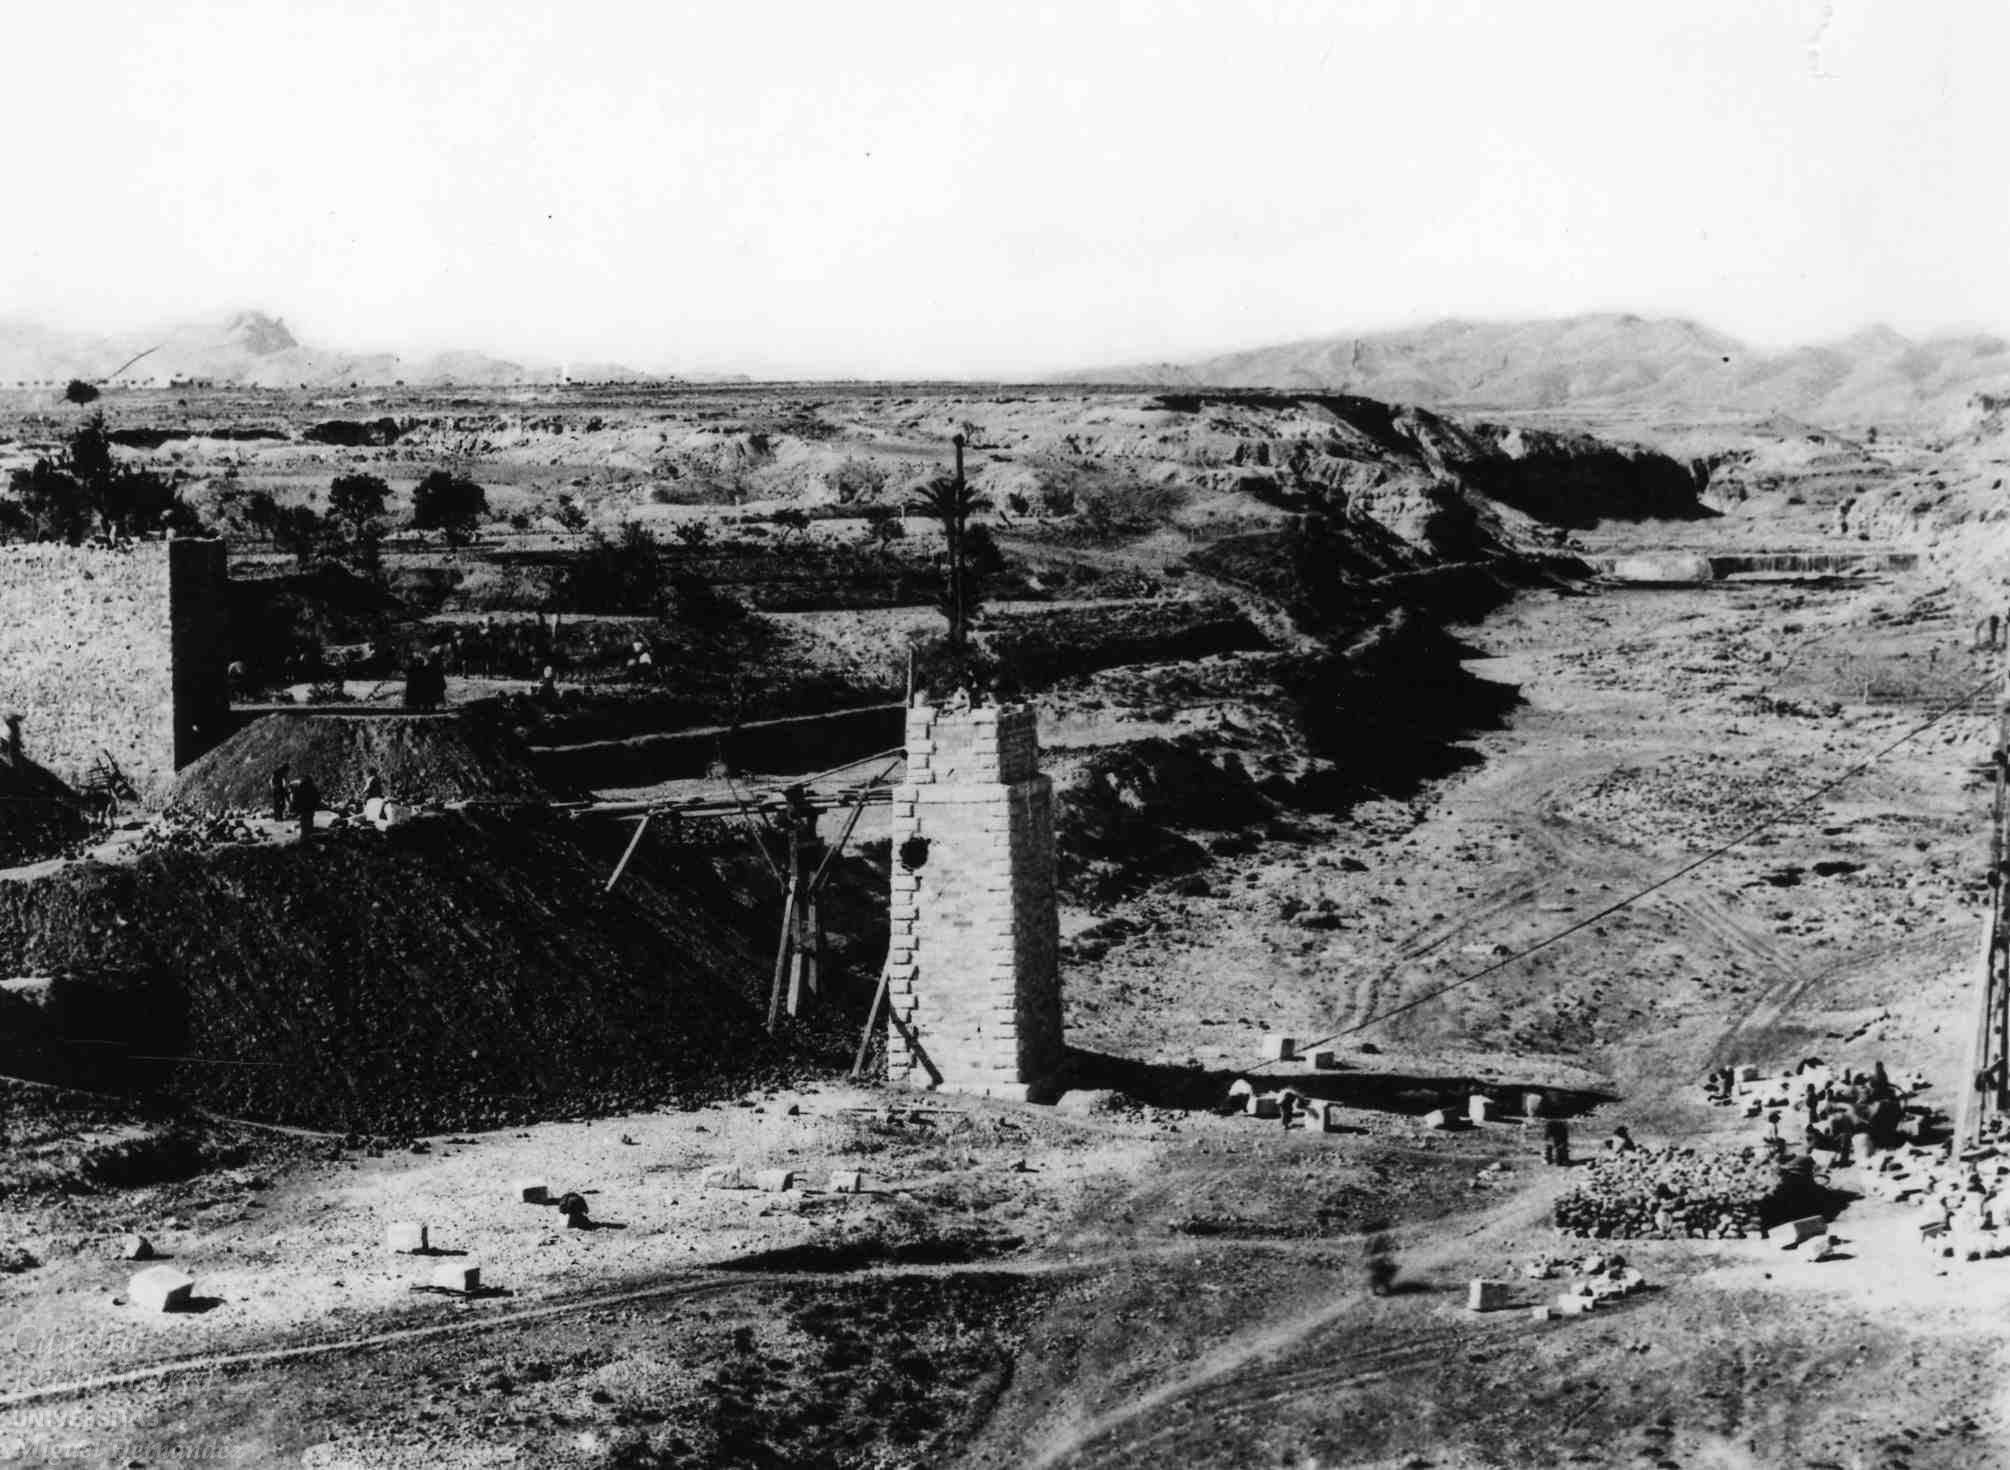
x=974, y=961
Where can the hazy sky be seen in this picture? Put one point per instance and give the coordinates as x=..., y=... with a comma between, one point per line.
x=939, y=188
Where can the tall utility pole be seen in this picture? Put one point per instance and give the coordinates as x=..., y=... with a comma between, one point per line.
x=1985, y=1089
x=955, y=528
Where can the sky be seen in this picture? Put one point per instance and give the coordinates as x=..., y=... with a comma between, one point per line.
x=881, y=188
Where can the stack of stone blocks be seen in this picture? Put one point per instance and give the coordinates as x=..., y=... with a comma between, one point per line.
x=973, y=966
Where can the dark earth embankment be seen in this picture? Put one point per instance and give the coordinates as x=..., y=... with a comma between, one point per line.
x=422, y=758
x=462, y=971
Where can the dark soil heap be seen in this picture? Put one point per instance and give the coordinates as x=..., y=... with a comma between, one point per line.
x=39, y=815
x=460, y=971
x=422, y=758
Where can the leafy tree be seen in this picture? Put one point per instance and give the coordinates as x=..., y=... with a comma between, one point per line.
x=692, y=534
x=1057, y=500
x=949, y=500
x=856, y=479
x=621, y=576
x=51, y=502
x=300, y=532
x=87, y=489
x=81, y=392
x=569, y=513
x=1019, y=505
x=448, y=503
x=357, y=503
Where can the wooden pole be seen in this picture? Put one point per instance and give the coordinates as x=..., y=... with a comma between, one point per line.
x=795, y=922
x=865, y=1036
x=633, y=843
x=782, y=956
x=813, y=929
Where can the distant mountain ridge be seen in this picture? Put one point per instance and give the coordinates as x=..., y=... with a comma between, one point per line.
x=1610, y=361
x=255, y=349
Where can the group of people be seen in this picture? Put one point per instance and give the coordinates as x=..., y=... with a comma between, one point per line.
x=493, y=650
x=1848, y=1114
x=298, y=798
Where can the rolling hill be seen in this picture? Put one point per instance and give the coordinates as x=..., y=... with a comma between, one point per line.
x=1612, y=362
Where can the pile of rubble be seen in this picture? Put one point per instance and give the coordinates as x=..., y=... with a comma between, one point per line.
x=1599, y=1278
x=1670, y=1194
x=1965, y=1195
x=181, y=832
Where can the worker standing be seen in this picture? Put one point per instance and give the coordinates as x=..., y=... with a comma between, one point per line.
x=281, y=794
x=306, y=801
x=1556, y=1142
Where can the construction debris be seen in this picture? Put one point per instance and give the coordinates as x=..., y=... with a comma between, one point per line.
x=1670, y=1194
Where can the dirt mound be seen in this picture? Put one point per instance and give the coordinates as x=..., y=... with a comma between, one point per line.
x=460, y=971
x=39, y=815
x=422, y=758
x=1115, y=821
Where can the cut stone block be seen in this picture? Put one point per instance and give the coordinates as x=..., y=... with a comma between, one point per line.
x=1541, y=1314
x=533, y=1191
x=847, y=1181
x=1793, y=1232
x=1326, y=1061
x=406, y=1236
x=135, y=1248
x=1240, y=1088
x=1486, y=1296
x=1262, y=1105
x=1479, y=1108
x=1438, y=1119
x=1278, y=1048
x=1748, y=1074
x=1573, y=1306
x=775, y=1180
x=160, y=1289
x=457, y=1276
x=722, y=1176
x=1329, y=1118
x=1531, y=1105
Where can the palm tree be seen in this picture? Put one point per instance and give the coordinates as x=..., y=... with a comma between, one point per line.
x=950, y=500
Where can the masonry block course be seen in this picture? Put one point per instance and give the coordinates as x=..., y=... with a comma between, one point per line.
x=974, y=961
x=117, y=651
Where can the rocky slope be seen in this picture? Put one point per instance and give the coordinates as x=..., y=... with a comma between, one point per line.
x=1612, y=361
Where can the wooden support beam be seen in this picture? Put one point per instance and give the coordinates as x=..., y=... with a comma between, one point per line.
x=633, y=843
x=865, y=1036
x=782, y=956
